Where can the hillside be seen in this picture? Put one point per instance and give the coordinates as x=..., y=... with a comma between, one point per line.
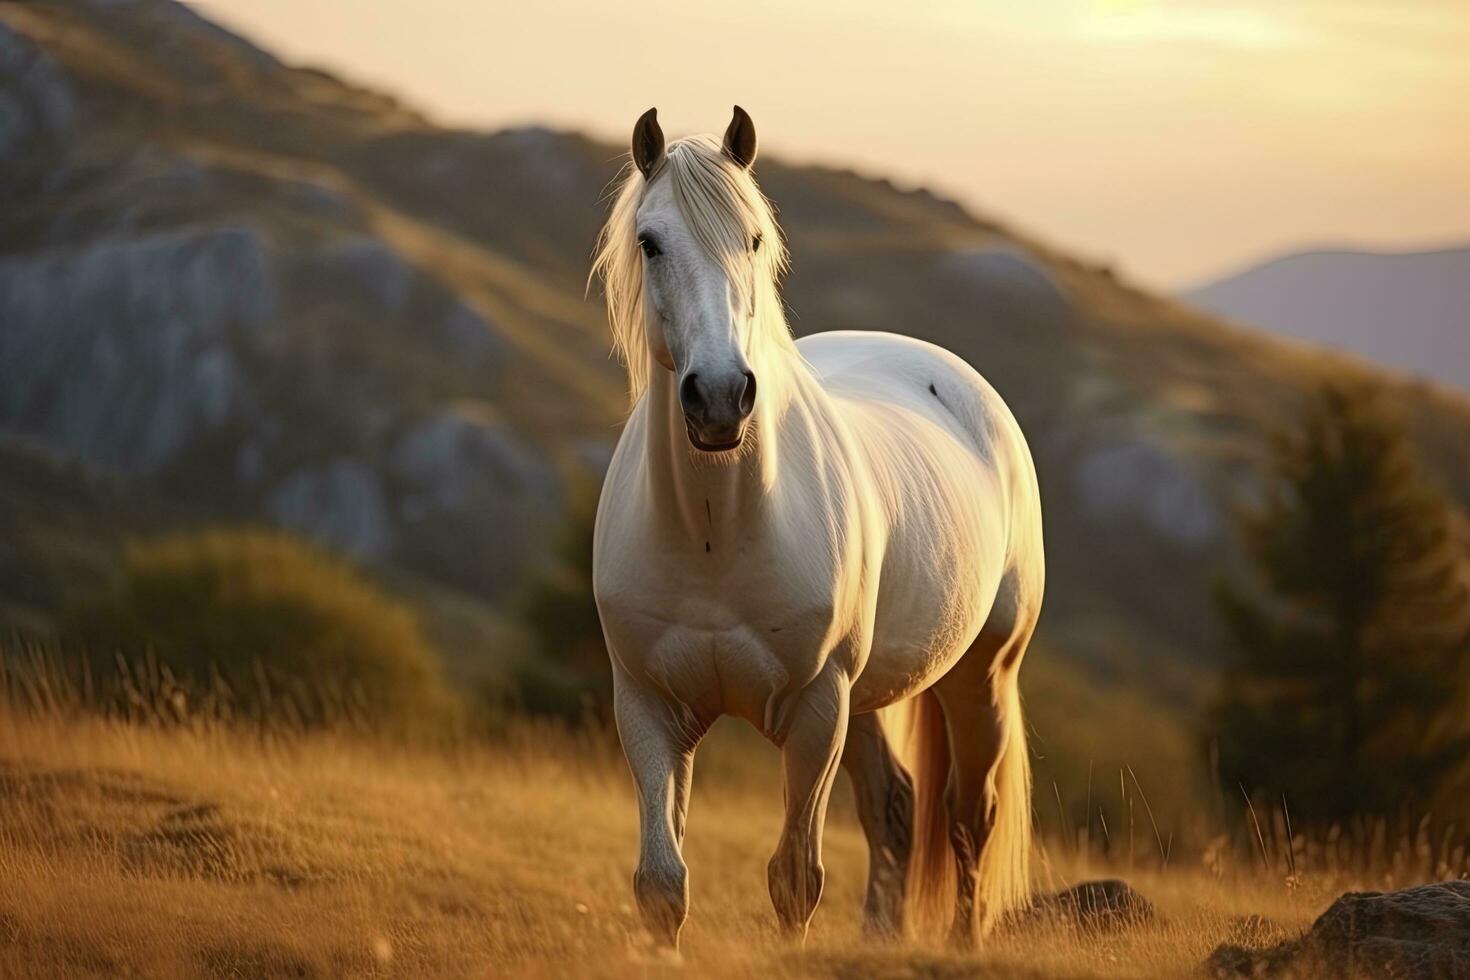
x=1406, y=310
x=233, y=289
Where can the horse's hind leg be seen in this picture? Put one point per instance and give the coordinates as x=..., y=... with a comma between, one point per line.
x=979, y=700
x=885, y=804
x=659, y=741
x=810, y=753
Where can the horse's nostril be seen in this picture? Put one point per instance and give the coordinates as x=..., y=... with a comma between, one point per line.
x=689, y=396
x=747, y=396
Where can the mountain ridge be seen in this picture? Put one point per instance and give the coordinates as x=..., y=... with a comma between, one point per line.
x=1403, y=309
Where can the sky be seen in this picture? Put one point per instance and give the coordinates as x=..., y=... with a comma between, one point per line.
x=1179, y=139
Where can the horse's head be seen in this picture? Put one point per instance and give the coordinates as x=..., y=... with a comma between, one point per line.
x=690, y=257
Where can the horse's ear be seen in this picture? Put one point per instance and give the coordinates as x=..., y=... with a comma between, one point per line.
x=648, y=143
x=740, y=139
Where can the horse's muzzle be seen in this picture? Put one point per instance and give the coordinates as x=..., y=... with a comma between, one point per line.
x=717, y=441
x=715, y=414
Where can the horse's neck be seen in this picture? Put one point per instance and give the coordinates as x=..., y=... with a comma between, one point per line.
x=711, y=501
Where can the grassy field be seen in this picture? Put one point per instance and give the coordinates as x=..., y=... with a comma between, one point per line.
x=138, y=851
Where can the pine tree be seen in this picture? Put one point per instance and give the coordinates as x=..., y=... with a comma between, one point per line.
x=1356, y=639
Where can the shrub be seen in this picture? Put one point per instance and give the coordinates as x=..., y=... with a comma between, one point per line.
x=286, y=626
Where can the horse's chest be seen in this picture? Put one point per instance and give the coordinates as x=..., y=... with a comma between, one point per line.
x=723, y=644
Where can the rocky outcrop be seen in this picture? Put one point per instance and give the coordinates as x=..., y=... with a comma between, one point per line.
x=120, y=351
x=341, y=504
x=460, y=453
x=1141, y=480
x=1419, y=933
x=1006, y=271
x=364, y=269
x=36, y=100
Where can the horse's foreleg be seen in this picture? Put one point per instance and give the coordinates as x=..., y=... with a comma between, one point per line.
x=659, y=740
x=885, y=804
x=810, y=753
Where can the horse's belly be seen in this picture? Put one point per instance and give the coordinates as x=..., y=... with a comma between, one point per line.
x=933, y=604
x=900, y=666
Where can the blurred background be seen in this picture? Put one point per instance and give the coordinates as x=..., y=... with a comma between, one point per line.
x=304, y=404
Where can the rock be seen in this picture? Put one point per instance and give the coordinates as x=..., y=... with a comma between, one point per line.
x=340, y=504
x=368, y=267
x=465, y=331
x=1108, y=903
x=544, y=157
x=317, y=198
x=1420, y=932
x=1007, y=271
x=1140, y=479
x=36, y=100
x=455, y=454
x=121, y=351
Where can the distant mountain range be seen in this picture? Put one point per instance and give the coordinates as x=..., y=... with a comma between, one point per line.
x=1406, y=310
x=236, y=290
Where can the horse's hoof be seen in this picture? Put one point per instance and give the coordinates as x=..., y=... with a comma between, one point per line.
x=791, y=932
x=882, y=931
x=656, y=954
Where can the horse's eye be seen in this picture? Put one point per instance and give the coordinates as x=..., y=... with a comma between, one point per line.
x=755, y=244
x=649, y=246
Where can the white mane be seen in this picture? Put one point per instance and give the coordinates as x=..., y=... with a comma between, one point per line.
x=724, y=210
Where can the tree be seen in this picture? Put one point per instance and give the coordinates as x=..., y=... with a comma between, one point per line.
x=1357, y=636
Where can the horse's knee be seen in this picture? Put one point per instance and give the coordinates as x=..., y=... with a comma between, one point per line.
x=795, y=878
x=662, y=891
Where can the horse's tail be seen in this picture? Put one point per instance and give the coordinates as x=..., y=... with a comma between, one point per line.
x=931, y=862
x=1005, y=864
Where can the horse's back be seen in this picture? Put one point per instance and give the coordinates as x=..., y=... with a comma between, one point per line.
x=955, y=472
x=871, y=368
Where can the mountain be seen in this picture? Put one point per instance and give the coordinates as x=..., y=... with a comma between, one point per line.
x=1407, y=310
x=237, y=290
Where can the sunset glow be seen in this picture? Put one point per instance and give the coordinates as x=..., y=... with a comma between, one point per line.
x=1175, y=137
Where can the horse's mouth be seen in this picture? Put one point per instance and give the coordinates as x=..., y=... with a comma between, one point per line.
x=712, y=447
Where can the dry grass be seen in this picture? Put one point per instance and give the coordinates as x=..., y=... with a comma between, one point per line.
x=140, y=851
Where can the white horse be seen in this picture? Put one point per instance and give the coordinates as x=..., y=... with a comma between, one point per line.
x=838, y=540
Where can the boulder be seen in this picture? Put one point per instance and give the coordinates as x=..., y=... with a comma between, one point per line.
x=1108, y=903
x=1141, y=479
x=453, y=456
x=1420, y=932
